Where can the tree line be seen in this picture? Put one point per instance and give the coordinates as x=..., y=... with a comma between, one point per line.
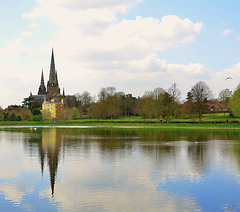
x=160, y=104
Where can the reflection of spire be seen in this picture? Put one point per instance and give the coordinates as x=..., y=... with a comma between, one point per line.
x=42, y=159
x=51, y=144
x=53, y=165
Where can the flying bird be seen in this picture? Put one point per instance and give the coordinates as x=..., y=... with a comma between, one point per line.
x=228, y=78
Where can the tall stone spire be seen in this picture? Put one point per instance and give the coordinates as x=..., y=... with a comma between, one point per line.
x=53, y=89
x=52, y=61
x=53, y=75
x=42, y=88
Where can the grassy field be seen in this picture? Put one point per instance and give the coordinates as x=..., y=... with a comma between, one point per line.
x=208, y=121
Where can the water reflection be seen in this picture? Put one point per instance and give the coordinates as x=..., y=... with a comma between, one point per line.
x=119, y=169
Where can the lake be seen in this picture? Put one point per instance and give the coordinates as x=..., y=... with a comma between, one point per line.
x=119, y=169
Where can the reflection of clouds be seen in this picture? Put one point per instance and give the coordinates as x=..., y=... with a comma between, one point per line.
x=15, y=193
x=14, y=163
x=110, y=172
x=123, y=185
x=120, y=178
x=125, y=198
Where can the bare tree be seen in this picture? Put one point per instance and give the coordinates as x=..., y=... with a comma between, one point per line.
x=158, y=92
x=86, y=100
x=110, y=91
x=200, y=93
x=106, y=92
x=46, y=115
x=102, y=94
x=224, y=95
x=174, y=92
x=148, y=94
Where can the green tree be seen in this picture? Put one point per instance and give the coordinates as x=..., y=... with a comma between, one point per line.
x=12, y=117
x=146, y=107
x=189, y=106
x=112, y=106
x=234, y=102
x=97, y=110
x=168, y=106
x=75, y=113
x=1, y=114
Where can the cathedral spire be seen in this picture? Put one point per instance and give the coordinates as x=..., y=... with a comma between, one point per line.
x=56, y=77
x=52, y=61
x=42, y=78
x=42, y=88
x=52, y=86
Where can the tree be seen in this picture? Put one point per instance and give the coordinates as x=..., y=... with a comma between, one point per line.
x=97, y=110
x=110, y=91
x=106, y=92
x=200, y=93
x=113, y=106
x=102, y=94
x=27, y=102
x=25, y=113
x=1, y=114
x=174, y=92
x=146, y=107
x=65, y=115
x=46, y=115
x=86, y=100
x=12, y=117
x=168, y=106
x=234, y=102
x=224, y=95
x=189, y=106
x=158, y=92
x=158, y=107
x=75, y=113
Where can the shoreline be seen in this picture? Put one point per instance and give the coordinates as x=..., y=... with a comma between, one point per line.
x=126, y=125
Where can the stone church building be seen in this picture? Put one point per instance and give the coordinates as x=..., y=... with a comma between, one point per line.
x=52, y=92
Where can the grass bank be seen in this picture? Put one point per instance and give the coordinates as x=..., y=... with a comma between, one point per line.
x=211, y=121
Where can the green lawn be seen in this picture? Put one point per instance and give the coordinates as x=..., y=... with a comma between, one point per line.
x=208, y=121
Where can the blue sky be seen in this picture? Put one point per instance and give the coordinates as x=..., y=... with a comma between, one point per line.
x=134, y=45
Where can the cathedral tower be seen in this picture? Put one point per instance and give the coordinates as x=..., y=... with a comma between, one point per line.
x=42, y=88
x=53, y=89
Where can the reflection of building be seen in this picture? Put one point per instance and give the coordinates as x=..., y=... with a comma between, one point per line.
x=54, y=107
x=51, y=143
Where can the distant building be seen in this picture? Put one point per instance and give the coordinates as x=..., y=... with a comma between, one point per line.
x=54, y=107
x=52, y=92
x=12, y=108
x=217, y=107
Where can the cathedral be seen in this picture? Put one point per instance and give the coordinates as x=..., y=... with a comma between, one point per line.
x=52, y=92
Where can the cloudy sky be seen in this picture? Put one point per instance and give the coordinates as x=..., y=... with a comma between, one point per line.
x=133, y=45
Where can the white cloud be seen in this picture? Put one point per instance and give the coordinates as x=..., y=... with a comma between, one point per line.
x=227, y=31
x=99, y=49
x=15, y=48
x=27, y=34
x=33, y=25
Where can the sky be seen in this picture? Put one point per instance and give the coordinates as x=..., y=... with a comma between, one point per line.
x=133, y=45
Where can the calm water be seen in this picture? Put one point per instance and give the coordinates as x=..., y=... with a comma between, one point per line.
x=72, y=169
